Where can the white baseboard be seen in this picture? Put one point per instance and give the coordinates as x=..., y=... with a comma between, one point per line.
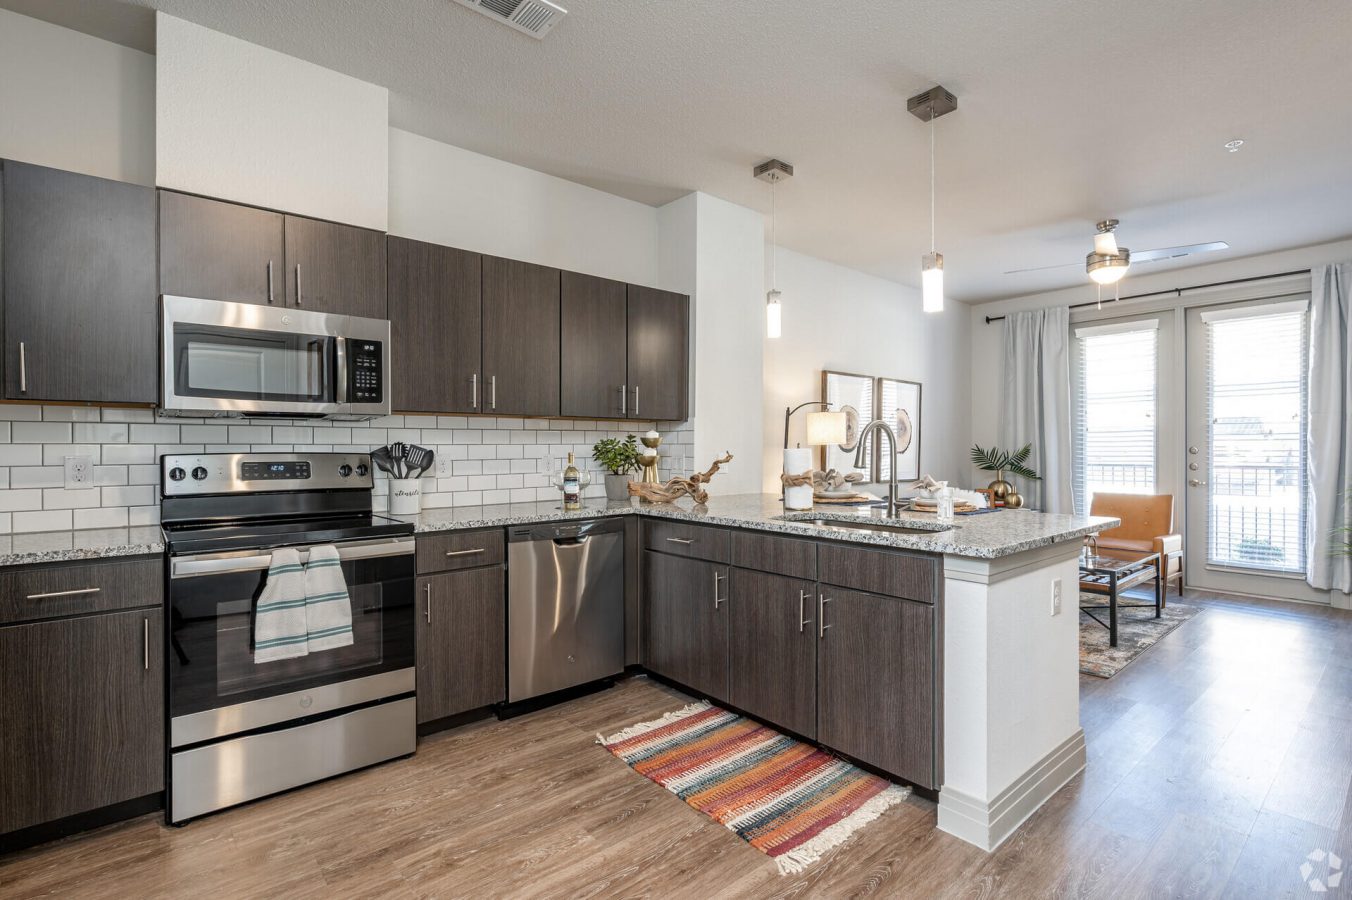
x=989, y=824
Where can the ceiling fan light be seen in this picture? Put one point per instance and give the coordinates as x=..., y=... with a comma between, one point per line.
x=773, y=311
x=932, y=282
x=1105, y=243
x=1108, y=268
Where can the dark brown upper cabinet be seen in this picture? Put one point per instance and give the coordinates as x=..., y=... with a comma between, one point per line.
x=436, y=318
x=593, y=348
x=658, y=354
x=335, y=268
x=79, y=287
x=221, y=251
x=520, y=338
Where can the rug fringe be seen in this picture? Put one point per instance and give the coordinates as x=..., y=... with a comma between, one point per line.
x=799, y=858
x=684, y=712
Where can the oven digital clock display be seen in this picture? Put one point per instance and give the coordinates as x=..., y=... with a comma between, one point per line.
x=268, y=471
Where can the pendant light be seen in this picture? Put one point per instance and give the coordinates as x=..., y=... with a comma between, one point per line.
x=927, y=107
x=773, y=171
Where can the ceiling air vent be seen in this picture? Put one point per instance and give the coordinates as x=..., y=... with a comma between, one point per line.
x=533, y=17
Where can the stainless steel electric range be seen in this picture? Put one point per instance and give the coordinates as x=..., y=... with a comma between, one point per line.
x=241, y=729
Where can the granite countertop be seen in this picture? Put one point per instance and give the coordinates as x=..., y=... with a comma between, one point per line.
x=986, y=536
x=89, y=543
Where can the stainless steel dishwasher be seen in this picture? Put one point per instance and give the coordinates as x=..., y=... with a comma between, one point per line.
x=565, y=605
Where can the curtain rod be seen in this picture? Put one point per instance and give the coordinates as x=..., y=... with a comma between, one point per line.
x=1176, y=291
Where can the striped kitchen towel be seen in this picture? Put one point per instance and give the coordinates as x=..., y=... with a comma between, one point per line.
x=279, y=622
x=328, y=609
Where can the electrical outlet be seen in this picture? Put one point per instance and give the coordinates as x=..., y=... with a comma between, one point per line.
x=1056, y=596
x=79, y=473
x=443, y=467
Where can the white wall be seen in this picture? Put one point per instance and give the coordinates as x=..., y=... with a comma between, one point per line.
x=74, y=102
x=840, y=319
x=448, y=195
x=241, y=122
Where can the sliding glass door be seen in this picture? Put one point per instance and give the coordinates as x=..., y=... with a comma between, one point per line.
x=1246, y=449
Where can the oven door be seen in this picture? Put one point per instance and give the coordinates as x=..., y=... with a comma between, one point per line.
x=245, y=358
x=215, y=686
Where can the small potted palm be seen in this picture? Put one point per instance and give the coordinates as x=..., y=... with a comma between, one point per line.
x=993, y=459
x=619, y=458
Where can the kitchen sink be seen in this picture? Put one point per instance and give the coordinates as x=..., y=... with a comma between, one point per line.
x=877, y=525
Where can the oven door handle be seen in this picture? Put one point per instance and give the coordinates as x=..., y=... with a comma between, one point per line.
x=249, y=560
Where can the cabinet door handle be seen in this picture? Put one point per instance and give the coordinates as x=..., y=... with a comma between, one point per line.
x=822, y=600
x=635, y=400
x=145, y=644
x=493, y=392
x=75, y=593
x=427, y=593
x=23, y=369
x=803, y=622
x=298, y=296
x=269, y=282
x=474, y=391
x=686, y=541
x=474, y=552
x=718, y=577
x=624, y=400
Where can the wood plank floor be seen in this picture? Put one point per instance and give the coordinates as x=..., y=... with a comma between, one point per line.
x=1217, y=761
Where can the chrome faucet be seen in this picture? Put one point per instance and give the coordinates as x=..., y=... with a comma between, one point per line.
x=860, y=463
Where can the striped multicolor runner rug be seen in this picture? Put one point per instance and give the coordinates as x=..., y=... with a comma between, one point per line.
x=787, y=799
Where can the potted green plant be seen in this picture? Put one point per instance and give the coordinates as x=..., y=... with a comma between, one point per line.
x=619, y=457
x=993, y=459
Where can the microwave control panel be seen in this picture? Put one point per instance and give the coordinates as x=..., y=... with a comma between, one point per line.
x=365, y=367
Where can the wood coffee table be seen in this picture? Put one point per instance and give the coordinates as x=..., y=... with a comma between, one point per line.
x=1108, y=573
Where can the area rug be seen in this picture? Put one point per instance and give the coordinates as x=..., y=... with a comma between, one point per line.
x=791, y=801
x=1137, y=631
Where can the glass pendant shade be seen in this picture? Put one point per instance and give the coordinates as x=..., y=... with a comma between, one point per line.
x=932, y=282
x=1108, y=269
x=772, y=314
x=1105, y=243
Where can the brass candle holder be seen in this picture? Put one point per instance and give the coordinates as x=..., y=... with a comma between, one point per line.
x=649, y=458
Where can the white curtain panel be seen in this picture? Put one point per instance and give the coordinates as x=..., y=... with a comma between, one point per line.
x=1036, y=404
x=1330, y=422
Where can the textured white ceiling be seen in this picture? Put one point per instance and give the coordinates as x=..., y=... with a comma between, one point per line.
x=1069, y=111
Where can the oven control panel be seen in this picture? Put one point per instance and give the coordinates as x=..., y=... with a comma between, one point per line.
x=365, y=371
x=185, y=475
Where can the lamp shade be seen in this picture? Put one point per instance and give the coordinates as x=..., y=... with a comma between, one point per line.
x=932, y=282
x=772, y=314
x=825, y=428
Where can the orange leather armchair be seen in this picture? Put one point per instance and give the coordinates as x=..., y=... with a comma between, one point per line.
x=1147, y=526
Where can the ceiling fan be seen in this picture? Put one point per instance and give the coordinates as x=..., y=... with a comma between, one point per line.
x=1108, y=262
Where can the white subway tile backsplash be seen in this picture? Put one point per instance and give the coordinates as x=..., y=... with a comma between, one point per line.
x=491, y=460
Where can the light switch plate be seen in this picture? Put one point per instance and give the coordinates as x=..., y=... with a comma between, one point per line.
x=79, y=473
x=1056, y=596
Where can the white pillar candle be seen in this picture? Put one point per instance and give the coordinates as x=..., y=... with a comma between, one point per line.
x=797, y=460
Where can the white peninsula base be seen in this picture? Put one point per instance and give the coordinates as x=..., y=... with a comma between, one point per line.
x=1012, y=735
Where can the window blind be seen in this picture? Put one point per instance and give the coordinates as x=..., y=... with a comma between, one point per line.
x=1256, y=408
x=1115, y=412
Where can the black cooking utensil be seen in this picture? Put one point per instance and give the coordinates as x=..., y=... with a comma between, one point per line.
x=381, y=458
x=397, y=451
x=419, y=459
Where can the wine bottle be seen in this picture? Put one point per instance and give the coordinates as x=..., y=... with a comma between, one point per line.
x=572, y=486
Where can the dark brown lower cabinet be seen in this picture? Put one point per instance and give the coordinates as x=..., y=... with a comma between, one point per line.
x=462, y=642
x=875, y=682
x=81, y=715
x=773, y=664
x=686, y=621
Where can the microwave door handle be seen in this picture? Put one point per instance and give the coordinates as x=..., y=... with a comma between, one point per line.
x=341, y=393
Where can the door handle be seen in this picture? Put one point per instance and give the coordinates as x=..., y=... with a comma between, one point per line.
x=298, y=295
x=269, y=282
x=474, y=391
x=427, y=593
x=1193, y=482
x=23, y=369
x=636, y=400
x=493, y=392
x=718, y=577
x=624, y=400
x=145, y=644
x=802, y=604
x=822, y=600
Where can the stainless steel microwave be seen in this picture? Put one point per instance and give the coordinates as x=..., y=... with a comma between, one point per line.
x=243, y=359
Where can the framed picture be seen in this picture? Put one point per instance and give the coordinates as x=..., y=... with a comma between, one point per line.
x=865, y=398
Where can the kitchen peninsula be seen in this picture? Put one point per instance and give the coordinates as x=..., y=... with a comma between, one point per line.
x=1005, y=728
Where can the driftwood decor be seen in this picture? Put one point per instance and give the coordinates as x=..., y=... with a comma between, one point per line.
x=676, y=488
